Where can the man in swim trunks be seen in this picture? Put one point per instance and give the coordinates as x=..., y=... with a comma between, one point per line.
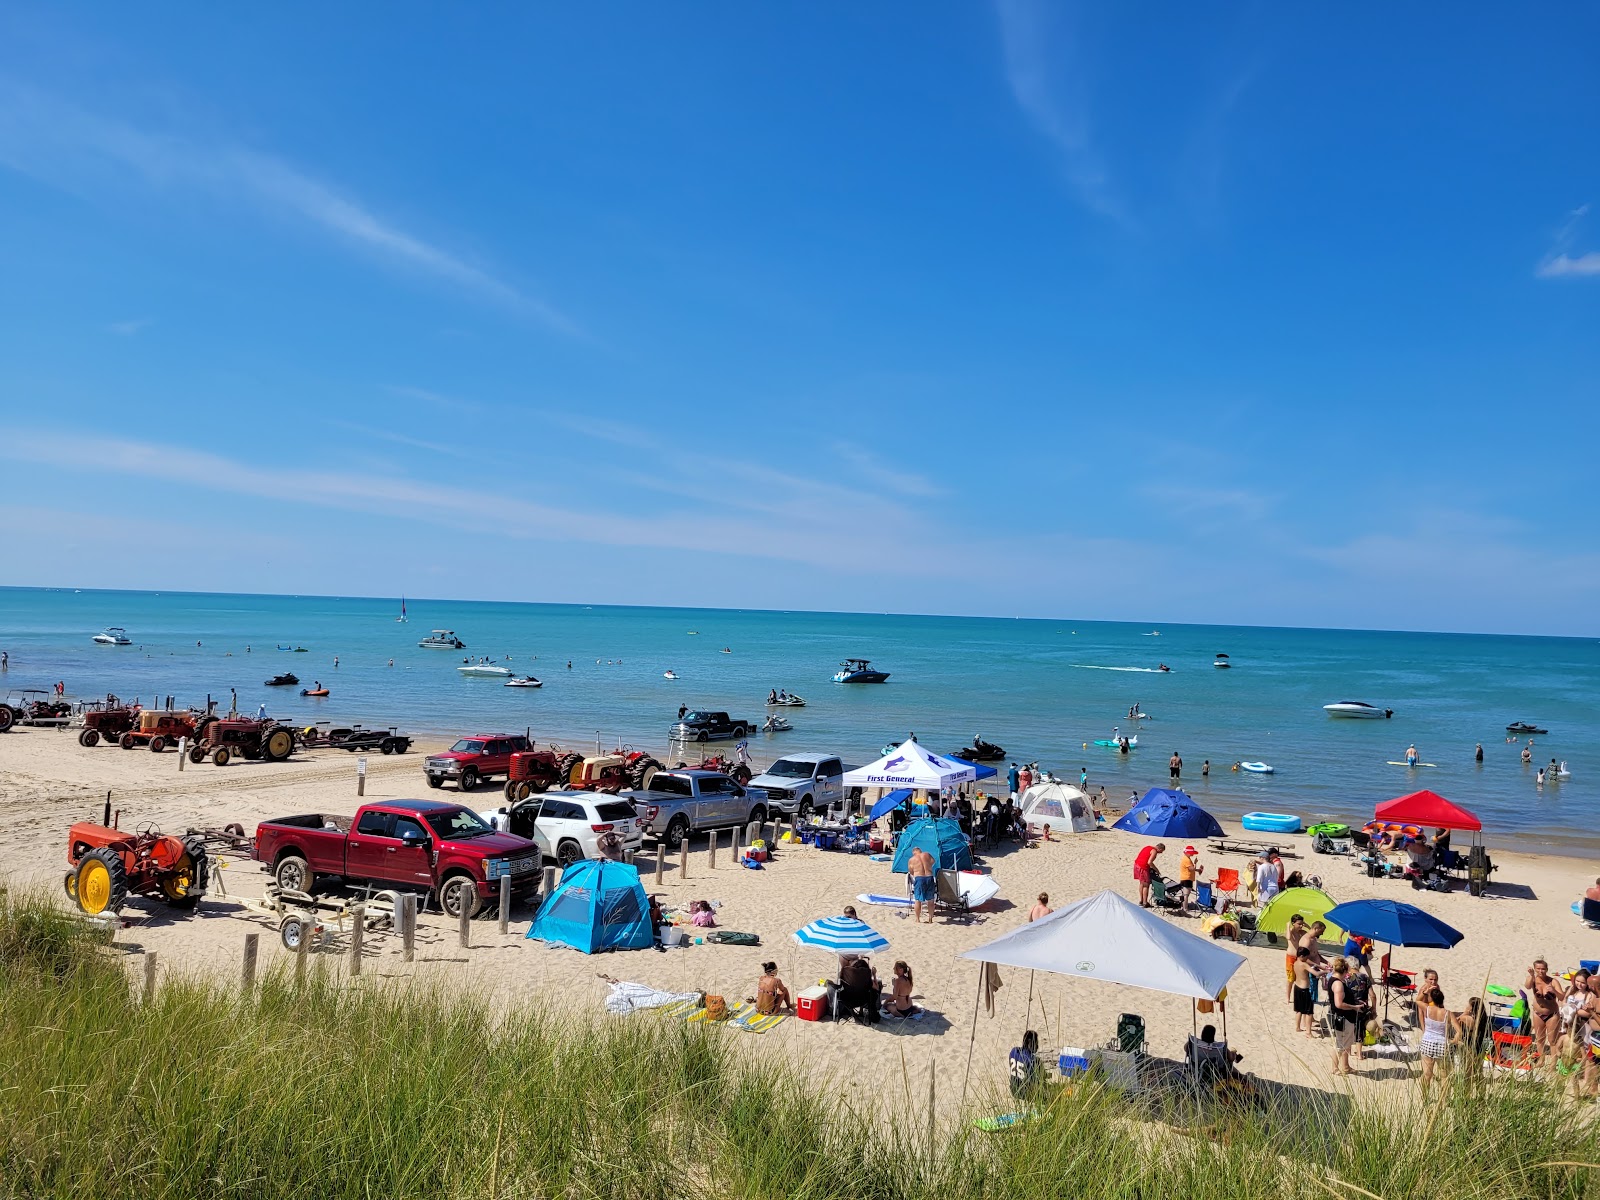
x=1175, y=766
x=1300, y=994
x=920, y=871
x=1144, y=867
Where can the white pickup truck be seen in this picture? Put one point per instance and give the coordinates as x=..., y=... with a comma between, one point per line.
x=678, y=803
x=799, y=784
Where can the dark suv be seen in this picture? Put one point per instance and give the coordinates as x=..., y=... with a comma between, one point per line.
x=476, y=757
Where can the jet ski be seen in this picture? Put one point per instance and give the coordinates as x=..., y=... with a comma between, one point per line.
x=1524, y=727
x=284, y=680
x=776, y=724
x=527, y=681
x=979, y=751
x=669, y=674
x=787, y=700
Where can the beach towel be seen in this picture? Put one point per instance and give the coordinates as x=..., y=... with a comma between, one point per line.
x=625, y=998
x=754, y=1022
x=729, y=1016
x=681, y=1009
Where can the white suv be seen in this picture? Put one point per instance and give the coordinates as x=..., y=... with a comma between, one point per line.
x=567, y=826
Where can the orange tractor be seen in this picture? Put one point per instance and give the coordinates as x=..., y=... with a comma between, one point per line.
x=624, y=767
x=107, y=865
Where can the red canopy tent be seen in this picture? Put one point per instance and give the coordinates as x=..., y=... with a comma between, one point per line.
x=1427, y=808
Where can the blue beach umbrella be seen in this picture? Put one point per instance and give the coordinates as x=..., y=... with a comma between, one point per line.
x=1393, y=922
x=889, y=803
x=842, y=935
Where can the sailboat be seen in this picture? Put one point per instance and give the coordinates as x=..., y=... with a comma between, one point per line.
x=402, y=618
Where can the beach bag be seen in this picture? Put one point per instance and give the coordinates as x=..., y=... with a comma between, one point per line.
x=716, y=1008
x=730, y=937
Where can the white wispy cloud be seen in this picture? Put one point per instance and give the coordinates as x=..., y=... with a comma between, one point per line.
x=1047, y=82
x=1561, y=262
x=872, y=468
x=70, y=147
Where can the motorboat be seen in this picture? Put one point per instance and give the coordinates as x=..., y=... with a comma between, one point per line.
x=486, y=670
x=1358, y=709
x=287, y=679
x=786, y=700
x=858, y=670
x=442, y=639
x=1525, y=727
x=776, y=724
x=115, y=635
x=527, y=681
x=979, y=751
x=669, y=674
x=1221, y=663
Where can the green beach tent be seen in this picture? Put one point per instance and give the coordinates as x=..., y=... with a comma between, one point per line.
x=1311, y=903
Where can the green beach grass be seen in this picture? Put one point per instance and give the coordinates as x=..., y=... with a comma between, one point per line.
x=391, y=1091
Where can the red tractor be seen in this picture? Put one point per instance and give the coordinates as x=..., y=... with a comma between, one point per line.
x=109, y=721
x=220, y=738
x=107, y=865
x=736, y=771
x=158, y=729
x=534, y=771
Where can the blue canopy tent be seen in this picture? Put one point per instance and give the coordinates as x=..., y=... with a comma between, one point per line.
x=939, y=837
x=598, y=905
x=984, y=771
x=1167, y=813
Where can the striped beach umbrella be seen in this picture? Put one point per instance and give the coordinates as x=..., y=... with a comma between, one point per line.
x=842, y=935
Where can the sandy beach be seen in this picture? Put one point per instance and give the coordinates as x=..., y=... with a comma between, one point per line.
x=47, y=781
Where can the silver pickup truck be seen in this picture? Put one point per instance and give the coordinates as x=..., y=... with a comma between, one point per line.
x=678, y=803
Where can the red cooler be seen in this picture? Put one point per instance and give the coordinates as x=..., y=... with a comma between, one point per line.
x=811, y=1004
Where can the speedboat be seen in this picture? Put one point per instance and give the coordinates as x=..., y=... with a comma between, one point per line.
x=858, y=670
x=776, y=724
x=1356, y=708
x=669, y=674
x=442, y=639
x=1525, y=727
x=116, y=635
x=1222, y=663
x=527, y=681
x=979, y=751
x=485, y=670
x=287, y=679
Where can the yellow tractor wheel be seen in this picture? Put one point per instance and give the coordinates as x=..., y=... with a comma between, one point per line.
x=102, y=883
x=71, y=884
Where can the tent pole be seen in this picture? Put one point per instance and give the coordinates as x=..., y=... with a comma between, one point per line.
x=976, y=1000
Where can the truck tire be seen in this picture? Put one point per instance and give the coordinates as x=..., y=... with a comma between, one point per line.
x=157, y=744
x=806, y=807
x=456, y=892
x=677, y=831
x=758, y=814
x=469, y=779
x=89, y=737
x=703, y=736
x=8, y=717
x=739, y=731
x=293, y=874
x=435, y=781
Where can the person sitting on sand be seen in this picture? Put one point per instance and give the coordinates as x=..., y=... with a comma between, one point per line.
x=702, y=914
x=1041, y=907
x=771, y=995
x=1022, y=1065
x=900, y=991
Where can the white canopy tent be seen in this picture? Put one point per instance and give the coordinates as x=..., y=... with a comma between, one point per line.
x=910, y=766
x=1062, y=807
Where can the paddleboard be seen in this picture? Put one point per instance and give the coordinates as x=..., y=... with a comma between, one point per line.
x=1403, y=764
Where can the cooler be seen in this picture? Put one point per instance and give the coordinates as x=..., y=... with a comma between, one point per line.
x=1074, y=1060
x=811, y=1004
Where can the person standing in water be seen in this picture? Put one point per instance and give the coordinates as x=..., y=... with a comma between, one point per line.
x=1477, y=754
x=1411, y=755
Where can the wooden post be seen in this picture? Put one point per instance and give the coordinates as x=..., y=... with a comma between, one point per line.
x=183, y=751
x=252, y=945
x=505, y=904
x=357, y=933
x=628, y=856
x=661, y=859
x=549, y=881
x=302, y=952
x=149, y=976
x=408, y=926
x=738, y=843
x=361, y=776
x=466, y=927
x=711, y=849
x=933, y=1076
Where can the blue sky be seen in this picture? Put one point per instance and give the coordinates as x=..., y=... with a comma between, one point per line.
x=1254, y=315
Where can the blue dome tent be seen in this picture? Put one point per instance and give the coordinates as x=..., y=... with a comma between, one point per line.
x=598, y=905
x=1167, y=813
x=941, y=838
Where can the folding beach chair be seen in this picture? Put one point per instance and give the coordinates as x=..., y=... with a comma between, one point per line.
x=1203, y=897
x=1511, y=1052
x=1227, y=881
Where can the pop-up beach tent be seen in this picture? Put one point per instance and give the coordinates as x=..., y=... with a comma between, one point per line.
x=598, y=905
x=1166, y=813
x=1062, y=807
x=911, y=766
x=941, y=838
x=1311, y=903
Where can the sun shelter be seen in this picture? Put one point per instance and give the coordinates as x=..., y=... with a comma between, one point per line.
x=1167, y=813
x=1311, y=903
x=941, y=838
x=1428, y=808
x=1396, y=923
x=598, y=905
x=842, y=935
x=911, y=766
x=1062, y=807
x=1108, y=938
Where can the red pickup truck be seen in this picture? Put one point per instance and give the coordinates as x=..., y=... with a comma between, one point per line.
x=416, y=845
x=474, y=758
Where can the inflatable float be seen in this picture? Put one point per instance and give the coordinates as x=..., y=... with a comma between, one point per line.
x=1256, y=768
x=1265, y=822
x=1133, y=742
x=1390, y=833
x=318, y=692
x=1331, y=829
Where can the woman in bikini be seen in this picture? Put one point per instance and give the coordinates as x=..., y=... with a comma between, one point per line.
x=900, y=997
x=1544, y=1006
x=771, y=995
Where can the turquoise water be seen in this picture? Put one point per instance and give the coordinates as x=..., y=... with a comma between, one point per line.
x=1039, y=688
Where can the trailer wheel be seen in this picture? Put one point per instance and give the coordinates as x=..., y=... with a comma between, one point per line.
x=158, y=744
x=387, y=747
x=293, y=874
x=457, y=893
x=292, y=930
x=8, y=717
x=102, y=883
x=220, y=756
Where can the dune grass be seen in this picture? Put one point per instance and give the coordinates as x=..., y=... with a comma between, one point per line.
x=327, y=1090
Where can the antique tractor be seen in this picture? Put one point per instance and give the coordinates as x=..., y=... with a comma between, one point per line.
x=624, y=767
x=534, y=771
x=736, y=771
x=109, y=721
x=220, y=738
x=107, y=865
x=158, y=729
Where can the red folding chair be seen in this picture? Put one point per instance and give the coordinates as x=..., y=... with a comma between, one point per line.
x=1227, y=880
x=1511, y=1052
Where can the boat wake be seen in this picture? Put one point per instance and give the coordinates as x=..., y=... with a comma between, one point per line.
x=1140, y=670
